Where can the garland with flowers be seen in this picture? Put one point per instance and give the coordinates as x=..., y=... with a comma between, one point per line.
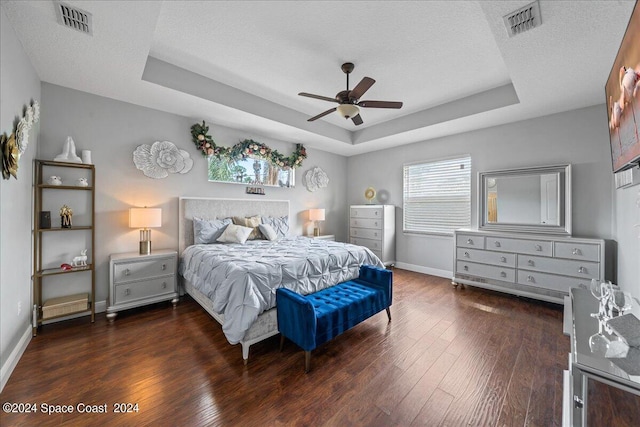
x=244, y=149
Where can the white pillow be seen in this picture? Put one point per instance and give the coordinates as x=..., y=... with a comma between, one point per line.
x=235, y=234
x=268, y=232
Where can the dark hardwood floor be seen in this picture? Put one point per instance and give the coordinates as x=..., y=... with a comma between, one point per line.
x=449, y=357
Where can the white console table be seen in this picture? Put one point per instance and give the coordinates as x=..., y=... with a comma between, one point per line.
x=585, y=364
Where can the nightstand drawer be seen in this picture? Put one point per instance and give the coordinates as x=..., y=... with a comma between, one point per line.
x=146, y=289
x=134, y=270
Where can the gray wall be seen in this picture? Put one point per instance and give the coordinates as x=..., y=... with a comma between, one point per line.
x=19, y=85
x=579, y=137
x=112, y=130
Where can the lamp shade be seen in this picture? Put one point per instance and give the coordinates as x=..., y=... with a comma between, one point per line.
x=145, y=217
x=316, y=214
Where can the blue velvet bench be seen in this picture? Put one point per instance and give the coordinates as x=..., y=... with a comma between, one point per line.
x=312, y=320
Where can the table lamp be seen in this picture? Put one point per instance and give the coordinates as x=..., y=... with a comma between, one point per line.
x=145, y=218
x=316, y=215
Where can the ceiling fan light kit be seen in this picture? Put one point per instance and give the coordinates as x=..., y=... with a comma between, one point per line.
x=348, y=110
x=349, y=100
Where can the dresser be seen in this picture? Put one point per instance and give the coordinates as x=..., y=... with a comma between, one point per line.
x=537, y=266
x=136, y=280
x=374, y=227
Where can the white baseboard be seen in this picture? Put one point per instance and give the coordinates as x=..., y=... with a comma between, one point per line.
x=426, y=270
x=14, y=357
x=101, y=306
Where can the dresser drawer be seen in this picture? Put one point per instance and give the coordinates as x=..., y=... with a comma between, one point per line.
x=366, y=223
x=469, y=241
x=486, y=257
x=583, y=269
x=134, y=270
x=133, y=291
x=550, y=281
x=366, y=233
x=582, y=251
x=366, y=213
x=375, y=245
x=488, y=271
x=535, y=247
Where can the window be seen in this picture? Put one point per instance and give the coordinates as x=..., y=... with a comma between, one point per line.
x=437, y=196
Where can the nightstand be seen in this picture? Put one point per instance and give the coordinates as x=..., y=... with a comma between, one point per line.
x=136, y=280
x=324, y=237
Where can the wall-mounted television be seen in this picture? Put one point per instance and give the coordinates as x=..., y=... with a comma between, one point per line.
x=623, y=98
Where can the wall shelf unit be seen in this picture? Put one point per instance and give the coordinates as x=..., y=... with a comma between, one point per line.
x=45, y=263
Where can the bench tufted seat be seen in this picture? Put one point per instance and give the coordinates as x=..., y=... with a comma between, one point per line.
x=311, y=320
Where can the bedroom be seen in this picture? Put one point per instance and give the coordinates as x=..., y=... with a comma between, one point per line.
x=108, y=107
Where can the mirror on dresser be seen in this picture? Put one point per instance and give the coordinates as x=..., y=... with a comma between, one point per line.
x=533, y=200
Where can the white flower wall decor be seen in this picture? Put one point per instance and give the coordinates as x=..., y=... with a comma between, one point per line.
x=31, y=117
x=315, y=179
x=162, y=158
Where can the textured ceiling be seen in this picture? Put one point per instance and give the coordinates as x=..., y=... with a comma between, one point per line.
x=241, y=64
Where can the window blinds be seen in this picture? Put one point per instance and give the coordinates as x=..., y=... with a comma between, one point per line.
x=437, y=196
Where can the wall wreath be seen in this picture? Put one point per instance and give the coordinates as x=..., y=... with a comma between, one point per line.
x=244, y=149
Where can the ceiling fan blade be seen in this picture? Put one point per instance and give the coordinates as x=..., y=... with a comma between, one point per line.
x=361, y=88
x=380, y=104
x=357, y=120
x=324, y=98
x=323, y=114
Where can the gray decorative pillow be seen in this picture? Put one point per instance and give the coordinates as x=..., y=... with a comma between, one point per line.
x=268, y=232
x=279, y=224
x=207, y=231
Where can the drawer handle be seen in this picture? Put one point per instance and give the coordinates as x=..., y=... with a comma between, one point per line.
x=375, y=234
x=503, y=274
x=466, y=268
x=375, y=244
x=164, y=285
x=497, y=244
x=466, y=254
x=164, y=266
x=376, y=223
x=531, y=263
x=355, y=232
x=538, y=248
x=582, y=286
x=469, y=242
x=376, y=213
x=127, y=291
x=503, y=259
x=582, y=270
x=577, y=251
x=126, y=271
x=530, y=279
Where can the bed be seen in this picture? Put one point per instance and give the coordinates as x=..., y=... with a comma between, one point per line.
x=235, y=283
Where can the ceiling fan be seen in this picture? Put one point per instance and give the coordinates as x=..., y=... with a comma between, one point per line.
x=349, y=99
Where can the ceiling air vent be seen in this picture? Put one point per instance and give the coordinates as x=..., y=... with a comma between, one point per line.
x=75, y=18
x=523, y=19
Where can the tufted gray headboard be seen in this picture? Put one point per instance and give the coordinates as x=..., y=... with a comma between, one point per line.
x=207, y=208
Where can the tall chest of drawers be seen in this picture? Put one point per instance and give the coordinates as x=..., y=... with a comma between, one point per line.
x=374, y=226
x=541, y=267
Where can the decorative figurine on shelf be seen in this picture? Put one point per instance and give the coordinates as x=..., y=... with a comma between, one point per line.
x=80, y=261
x=82, y=182
x=68, y=152
x=54, y=180
x=65, y=216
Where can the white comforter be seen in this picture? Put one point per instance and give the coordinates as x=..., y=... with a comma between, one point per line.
x=241, y=280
